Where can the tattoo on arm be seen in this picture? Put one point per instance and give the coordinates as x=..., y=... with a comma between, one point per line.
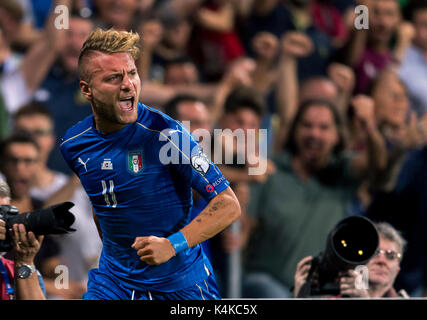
x=215, y=206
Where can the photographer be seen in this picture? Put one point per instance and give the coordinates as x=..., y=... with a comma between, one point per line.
x=28, y=284
x=383, y=269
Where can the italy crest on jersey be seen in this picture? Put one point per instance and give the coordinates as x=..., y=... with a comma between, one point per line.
x=134, y=160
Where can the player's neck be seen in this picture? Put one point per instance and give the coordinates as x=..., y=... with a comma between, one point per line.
x=106, y=127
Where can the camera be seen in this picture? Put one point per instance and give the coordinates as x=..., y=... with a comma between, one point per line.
x=352, y=242
x=55, y=219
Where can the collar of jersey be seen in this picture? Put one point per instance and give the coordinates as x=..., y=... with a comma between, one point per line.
x=112, y=135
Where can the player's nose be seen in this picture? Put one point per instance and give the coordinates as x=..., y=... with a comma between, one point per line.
x=126, y=83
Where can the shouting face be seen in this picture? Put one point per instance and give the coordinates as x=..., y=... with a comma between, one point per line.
x=316, y=136
x=113, y=89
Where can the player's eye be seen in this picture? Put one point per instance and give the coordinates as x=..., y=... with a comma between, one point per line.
x=113, y=77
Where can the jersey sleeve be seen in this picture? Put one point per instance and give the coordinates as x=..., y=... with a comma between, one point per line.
x=182, y=152
x=66, y=155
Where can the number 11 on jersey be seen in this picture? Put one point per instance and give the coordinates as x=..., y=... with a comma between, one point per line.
x=109, y=194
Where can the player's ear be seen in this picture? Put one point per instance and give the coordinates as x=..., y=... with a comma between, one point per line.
x=85, y=89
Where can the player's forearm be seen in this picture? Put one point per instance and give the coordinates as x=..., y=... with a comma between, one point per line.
x=221, y=211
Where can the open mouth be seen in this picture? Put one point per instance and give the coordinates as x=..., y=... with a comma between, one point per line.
x=312, y=145
x=126, y=104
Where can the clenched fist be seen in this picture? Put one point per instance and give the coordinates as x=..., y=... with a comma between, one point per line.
x=296, y=44
x=153, y=250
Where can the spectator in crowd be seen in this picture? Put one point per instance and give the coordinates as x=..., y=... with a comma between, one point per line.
x=37, y=120
x=79, y=250
x=181, y=71
x=243, y=111
x=59, y=86
x=408, y=195
x=290, y=91
x=413, y=69
x=327, y=18
x=20, y=75
x=175, y=41
x=117, y=14
x=216, y=38
x=28, y=284
x=151, y=32
x=402, y=130
x=278, y=18
x=20, y=154
x=189, y=110
x=296, y=207
x=17, y=25
x=266, y=48
x=383, y=269
x=368, y=50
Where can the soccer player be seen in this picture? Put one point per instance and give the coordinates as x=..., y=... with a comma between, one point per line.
x=138, y=167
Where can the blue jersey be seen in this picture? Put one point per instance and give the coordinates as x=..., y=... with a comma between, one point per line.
x=138, y=188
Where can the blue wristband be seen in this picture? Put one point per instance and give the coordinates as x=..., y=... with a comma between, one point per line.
x=179, y=243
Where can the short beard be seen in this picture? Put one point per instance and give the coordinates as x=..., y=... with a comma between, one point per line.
x=104, y=111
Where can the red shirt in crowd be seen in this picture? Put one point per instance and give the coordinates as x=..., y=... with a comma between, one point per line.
x=10, y=270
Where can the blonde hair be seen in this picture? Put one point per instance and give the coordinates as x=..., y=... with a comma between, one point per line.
x=108, y=41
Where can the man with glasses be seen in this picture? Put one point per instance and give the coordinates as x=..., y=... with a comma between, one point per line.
x=15, y=280
x=19, y=159
x=79, y=250
x=383, y=269
x=36, y=120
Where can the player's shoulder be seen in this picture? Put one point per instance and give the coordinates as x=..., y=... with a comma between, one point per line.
x=155, y=120
x=76, y=132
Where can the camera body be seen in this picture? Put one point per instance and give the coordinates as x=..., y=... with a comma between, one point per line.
x=56, y=219
x=352, y=242
x=7, y=211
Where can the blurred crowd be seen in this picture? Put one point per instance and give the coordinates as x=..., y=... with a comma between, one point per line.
x=344, y=109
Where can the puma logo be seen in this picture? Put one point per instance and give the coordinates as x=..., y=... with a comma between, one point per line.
x=84, y=163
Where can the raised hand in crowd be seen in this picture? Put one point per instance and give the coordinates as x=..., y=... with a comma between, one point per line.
x=296, y=44
x=405, y=35
x=293, y=45
x=375, y=156
x=411, y=134
x=151, y=33
x=344, y=78
x=364, y=111
x=265, y=45
x=239, y=73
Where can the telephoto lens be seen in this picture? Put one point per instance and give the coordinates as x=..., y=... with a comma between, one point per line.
x=56, y=219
